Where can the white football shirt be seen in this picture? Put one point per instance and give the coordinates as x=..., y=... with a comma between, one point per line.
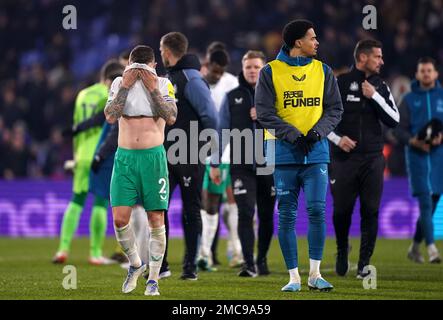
x=139, y=100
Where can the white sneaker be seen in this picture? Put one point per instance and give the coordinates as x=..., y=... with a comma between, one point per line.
x=152, y=288
x=131, y=279
x=435, y=257
x=101, y=261
x=165, y=274
x=60, y=257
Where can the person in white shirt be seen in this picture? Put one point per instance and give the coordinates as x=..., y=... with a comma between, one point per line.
x=220, y=83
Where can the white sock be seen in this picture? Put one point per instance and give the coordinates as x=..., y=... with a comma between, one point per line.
x=208, y=233
x=139, y=223
x=233, y=229
x=157, y=246
x=294, y=277
x=314, y=269
x=126, y=238
x=203, y=215
x=432, y=250
x=229, y=243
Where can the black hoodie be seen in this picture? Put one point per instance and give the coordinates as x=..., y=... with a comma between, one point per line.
x=235, y=114
x=194, y=102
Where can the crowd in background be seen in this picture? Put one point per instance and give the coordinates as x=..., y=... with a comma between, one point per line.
x=43, y=66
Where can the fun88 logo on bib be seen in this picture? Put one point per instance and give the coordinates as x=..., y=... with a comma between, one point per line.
x=296, y=99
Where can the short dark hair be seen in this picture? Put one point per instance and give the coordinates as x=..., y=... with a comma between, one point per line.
x=176, y=42
x=142, y=54
x=295, y=30
x=125, y=55
x=365, y=46
x=220, y=57
x=424, y=60
x=111, y=70
x=215, y=46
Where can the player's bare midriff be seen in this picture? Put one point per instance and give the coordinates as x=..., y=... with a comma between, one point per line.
x=141, y=132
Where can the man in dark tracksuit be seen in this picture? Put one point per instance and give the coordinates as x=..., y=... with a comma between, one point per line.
x=238, y=112
x=195, y=107
x=357, y=164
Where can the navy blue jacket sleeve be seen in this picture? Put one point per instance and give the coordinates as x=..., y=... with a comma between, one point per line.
x=95, y=121
x=332, y=105
x=224, y=117
x=198, y=94
x=110, y=143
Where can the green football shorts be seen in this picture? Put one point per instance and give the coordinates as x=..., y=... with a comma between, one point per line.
x=225, y=175
x=140, y=174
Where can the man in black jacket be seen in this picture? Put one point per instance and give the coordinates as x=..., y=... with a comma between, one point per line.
x=195, y=107
x=238, y=112
x=357, y=165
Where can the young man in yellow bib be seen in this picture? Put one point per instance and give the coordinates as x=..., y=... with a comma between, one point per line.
x=297, y=98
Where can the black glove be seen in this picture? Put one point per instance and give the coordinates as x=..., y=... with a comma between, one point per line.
x=304, y=145
x=70, y=132
x=96, y=163
x=431, y=130
x=313, y=137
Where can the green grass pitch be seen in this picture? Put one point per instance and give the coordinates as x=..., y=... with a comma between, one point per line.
x=26, y=273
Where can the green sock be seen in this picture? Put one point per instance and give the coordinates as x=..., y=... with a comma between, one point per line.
x=69, y=225
x=97, y=227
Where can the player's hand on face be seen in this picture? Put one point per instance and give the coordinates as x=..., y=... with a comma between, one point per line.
x=253, y=114
x=215, y=175
x=347, y=144
x=129, y=78
x=149, y=79
x=367, y=89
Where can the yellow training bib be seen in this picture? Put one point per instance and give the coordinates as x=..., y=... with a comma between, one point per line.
x=299, y=94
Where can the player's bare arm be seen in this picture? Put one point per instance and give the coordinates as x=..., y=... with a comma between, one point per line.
x=166, y=110
x=114, y=108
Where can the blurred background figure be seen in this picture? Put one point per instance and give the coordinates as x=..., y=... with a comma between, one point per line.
x=214, y=70
x=421, y=130
x=43, y=67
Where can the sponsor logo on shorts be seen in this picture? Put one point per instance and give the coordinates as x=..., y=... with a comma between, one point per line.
x=238, y=185
x=187, y=181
